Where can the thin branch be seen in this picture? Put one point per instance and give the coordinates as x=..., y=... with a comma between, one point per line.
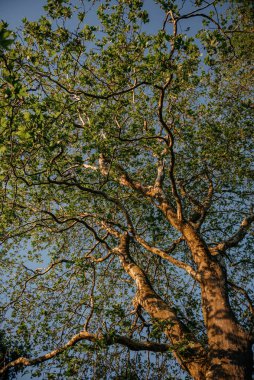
x=170, y=145
x=235, y=239
x=164, y=255
x=91, y=301
x=243, y=291
x=203, y=15
x=200, y=207
x=38, y=272
x=79, y=91
x=108, y=340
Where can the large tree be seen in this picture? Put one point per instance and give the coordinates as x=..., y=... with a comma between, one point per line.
x=126, y=190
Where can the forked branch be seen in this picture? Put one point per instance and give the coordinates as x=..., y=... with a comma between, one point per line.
x=176, y=331
x=236, y=238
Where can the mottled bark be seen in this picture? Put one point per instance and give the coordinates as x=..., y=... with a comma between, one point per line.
x=229, y=347
x=188, y=351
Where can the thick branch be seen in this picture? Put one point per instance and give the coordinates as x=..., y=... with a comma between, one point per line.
x=160, y=175
x=174, y=328
x=152, y=192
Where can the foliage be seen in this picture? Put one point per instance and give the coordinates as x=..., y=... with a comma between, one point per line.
x=97, y=121
x=10, y=351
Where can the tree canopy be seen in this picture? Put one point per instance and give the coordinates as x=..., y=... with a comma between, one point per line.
x=126, y=190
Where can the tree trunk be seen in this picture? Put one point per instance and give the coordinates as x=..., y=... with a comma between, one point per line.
x=229, y=346
x=232, y=360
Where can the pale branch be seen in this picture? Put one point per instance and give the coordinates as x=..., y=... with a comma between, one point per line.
x=160, y=175
x=151, y=192
x=104, y=165
x=174, y=22
x=107, y=340
x=208, y=199
x=124, y=178
x=235, y=239
x=187, y=195
x=165, y=255
x=100, y=259
x=111, y=230
x=87, y=166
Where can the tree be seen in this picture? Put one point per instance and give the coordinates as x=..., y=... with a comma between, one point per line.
x=126, y=175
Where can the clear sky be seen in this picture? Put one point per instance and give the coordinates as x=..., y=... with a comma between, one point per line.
x=13, y=11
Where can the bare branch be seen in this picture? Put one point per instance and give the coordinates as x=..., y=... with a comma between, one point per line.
x=152, y=192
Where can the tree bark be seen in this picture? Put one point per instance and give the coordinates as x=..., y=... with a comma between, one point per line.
x=187, y=350
x=229, y=346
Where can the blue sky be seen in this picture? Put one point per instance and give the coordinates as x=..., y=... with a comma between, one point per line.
x=13, y=11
